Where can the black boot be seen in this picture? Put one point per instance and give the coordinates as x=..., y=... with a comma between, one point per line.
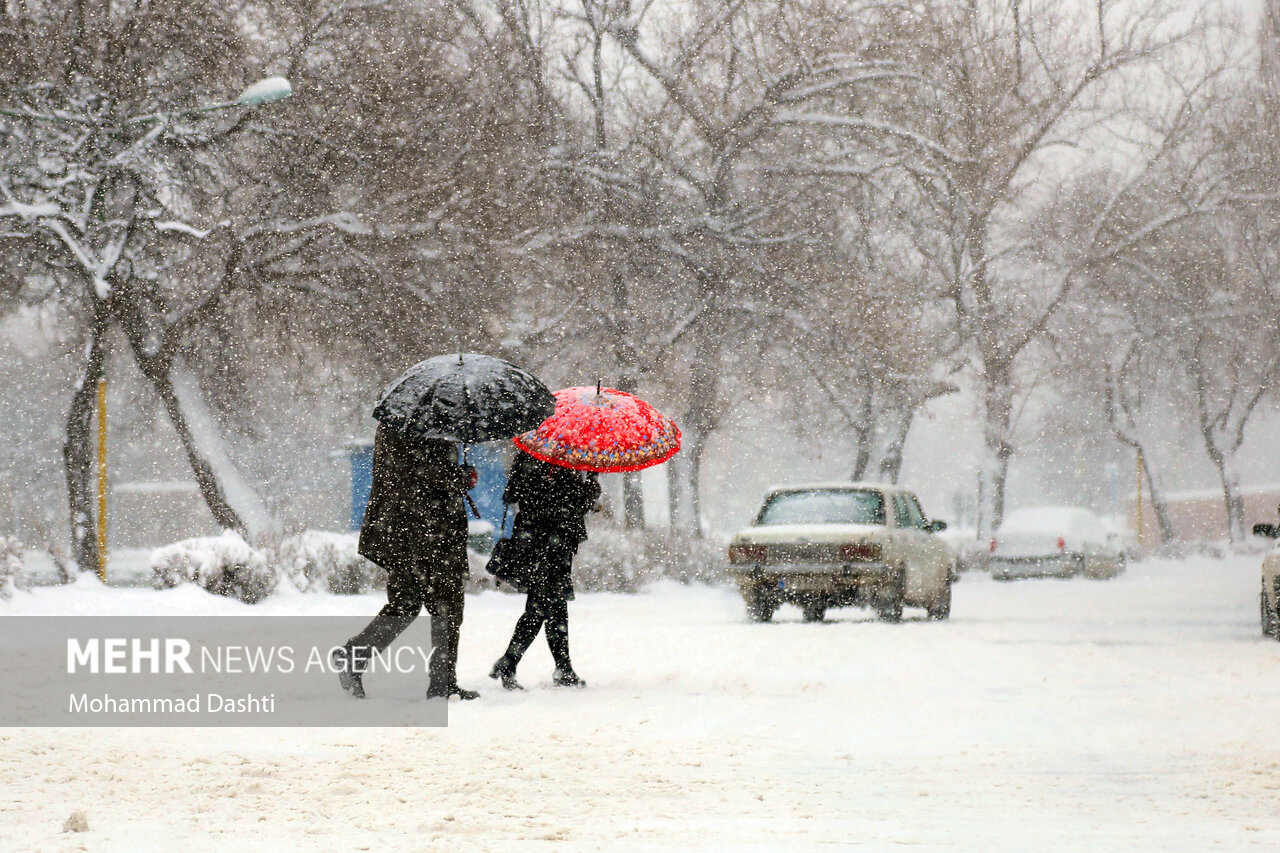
x=505, y=671
x=566, y=677
x=446, y=690
x=557, y=631
x=350, y=668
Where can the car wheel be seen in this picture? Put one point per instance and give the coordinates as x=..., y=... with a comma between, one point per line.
x=814, y=611
x=1270, y=619
x=889, y=604
x=941, y=608
x=761, y=604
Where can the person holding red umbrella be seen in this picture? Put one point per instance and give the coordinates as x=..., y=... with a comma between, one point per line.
x=554, y=483
x=549, y=525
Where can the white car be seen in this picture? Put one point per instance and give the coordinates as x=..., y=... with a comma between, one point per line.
x=1055, y=542
x=1269, y=598
x=836, y=544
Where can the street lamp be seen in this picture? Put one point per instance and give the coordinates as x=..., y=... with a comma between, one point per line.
x=265, y=91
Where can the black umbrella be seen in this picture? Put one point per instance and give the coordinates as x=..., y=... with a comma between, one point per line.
x=467, y=398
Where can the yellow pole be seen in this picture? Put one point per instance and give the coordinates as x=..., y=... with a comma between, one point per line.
x=1140, y=544
x=102, y=480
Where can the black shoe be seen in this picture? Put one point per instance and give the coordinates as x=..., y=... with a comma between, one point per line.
x=506, y=673
x=434, y=692
x=566, y=678
x=350, y=675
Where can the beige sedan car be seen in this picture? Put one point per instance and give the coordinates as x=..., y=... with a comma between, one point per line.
x=1269, y=597
x=838, y=544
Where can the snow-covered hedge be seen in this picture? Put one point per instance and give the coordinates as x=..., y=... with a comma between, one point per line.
x=223, y=565
x=614, y=560
x=318, y=560
x=611, y=560
x=11, y=573
x=313, y=561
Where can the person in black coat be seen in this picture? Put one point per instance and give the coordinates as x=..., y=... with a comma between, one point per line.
x=549, y=525
x=415, y=527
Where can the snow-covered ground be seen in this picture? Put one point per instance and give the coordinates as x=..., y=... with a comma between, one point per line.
x=1140, y=713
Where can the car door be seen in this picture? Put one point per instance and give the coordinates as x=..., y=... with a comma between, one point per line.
x=929, y=556
x=909, y=538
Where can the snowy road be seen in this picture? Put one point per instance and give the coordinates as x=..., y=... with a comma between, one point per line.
x=1132, y=714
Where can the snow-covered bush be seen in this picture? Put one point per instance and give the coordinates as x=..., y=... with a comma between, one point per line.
x=11, y=573
x=1214, y=549
x=479, y=580
x=322, y=561
x=223, y=565
x=318, y=560
x=615, y=560
x=612, y=560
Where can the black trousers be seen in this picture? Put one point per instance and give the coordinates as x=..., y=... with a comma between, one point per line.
x=542, y=611
x=407, y=595
x=546, y=608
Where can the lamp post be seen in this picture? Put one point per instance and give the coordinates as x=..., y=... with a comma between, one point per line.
x=1141, y=540
x=265, y=91
x=102, y=476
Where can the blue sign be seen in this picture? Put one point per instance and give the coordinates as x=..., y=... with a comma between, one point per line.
x=491, y=462
x=361, y=455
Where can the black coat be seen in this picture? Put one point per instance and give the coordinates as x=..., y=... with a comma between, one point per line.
x=415, y=520
x=553, y=503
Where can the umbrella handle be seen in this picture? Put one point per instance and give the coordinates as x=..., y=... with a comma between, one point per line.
x=472, y=504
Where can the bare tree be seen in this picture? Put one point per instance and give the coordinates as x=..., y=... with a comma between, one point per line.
x=1199, y=334
x=1009, y=84
x=726, y=77
x=1217, y=311
x=100, y=178
x=1127, y=404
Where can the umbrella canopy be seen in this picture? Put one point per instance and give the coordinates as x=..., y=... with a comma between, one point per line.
x=467, y=397
x=602, y=429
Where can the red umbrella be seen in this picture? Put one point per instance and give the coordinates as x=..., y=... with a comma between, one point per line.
x=604, y=430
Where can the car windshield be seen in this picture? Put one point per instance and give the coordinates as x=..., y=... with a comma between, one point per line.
x=824, y=506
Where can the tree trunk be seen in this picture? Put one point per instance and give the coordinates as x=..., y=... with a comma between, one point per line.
x=1232, y=500
x=891, y=431
x=863, y=429
x=694, y=481
x=632, y=501
x=997, y=401
x=77, y=448
x=674, y=498
x=632, y=497
x=698, y=425
x=862, y=459
x=234, y=503
x=1121, y=415
x=1155, y=491
x=684, y=518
